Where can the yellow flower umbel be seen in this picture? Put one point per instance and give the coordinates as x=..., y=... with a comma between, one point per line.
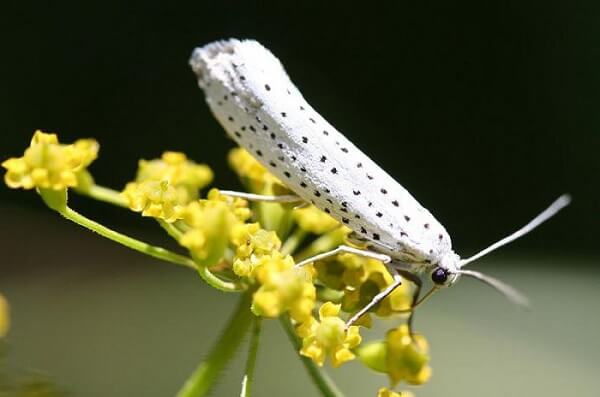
x=48, y=164
x=209, y=225
x=328, y=337
x=157, y=199
x=283, y=288
x=361, y=279
x=4, y=317
x=184, y=175
x=252, y=244
x=407, y=356
x=402, y=356
x=164, y=186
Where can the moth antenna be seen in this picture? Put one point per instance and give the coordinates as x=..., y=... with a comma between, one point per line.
x=509, y=292
x=548, y=213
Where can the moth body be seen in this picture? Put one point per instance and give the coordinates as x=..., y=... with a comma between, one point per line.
x=251, y=95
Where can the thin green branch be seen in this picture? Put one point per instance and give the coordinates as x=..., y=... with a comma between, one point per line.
x=248, y=379
x=211, y=279
x=137, y=245
x=200, y=382
x=320, y=378
x=171, y=229
x=105, y=194
x=57, y=200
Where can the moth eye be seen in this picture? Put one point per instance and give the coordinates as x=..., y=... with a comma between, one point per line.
x=439, y=276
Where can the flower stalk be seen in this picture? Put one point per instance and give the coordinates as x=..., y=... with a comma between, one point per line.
x=49, y=197
x=203, y=378
x=248, y=379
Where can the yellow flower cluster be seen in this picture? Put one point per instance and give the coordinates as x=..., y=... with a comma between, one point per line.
x=48, y=164
x=184, y=175
x=281, y=288
x=328, y=337
x=407, y=356
x=252, y=245
x=402, y=356
x=209, y=225
x=164, y=186
x=4, y=317
x=157, y=199
x=361, y=279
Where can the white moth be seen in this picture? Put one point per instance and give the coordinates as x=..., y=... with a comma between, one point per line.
x=252, y=96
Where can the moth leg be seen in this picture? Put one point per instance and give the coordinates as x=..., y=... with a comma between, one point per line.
x=285, y=198
x=302, y=205
x=377, y=298
x=419, y=284
x=345, y=249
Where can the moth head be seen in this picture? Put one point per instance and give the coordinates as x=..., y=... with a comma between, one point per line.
x=446, y=272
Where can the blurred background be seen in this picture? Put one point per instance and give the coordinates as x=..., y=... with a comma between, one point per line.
x=485, y=111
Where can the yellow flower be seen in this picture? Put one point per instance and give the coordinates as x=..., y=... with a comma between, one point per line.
x=4, y=317
x=407, y=356
x=48, y=164
x=314, y=220
x=184, y=175
x=238, y=206
x=252, y=243
x=282, y=288
x=402, y=356
x=385, y=392
x=328, y=337
x=157, y=199
x=210, y=225
x=361, y=279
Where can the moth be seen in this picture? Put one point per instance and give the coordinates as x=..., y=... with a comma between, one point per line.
x=251, y=95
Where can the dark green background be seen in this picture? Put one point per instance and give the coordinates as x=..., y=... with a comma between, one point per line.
x=485, y=111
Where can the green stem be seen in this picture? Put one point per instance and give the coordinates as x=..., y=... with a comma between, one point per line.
x=200, y=382
x=209, y=277
x=105, y=194
x=171, y=229
x=251, y=362
x=57, y=200
x=292, y=243
x=320, y=378
x=137, y=245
